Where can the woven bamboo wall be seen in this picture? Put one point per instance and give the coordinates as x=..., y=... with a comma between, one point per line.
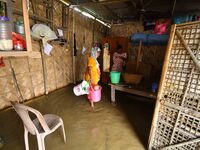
x=29, y=74
x=29, y=71
x=85, y=36
x=153, y=55
x=125, y=30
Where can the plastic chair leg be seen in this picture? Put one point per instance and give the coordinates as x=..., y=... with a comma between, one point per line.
x=26, y=138
x=40, y=141
x=63, y=131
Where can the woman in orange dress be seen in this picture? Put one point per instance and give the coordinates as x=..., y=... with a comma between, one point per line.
x=92, y=74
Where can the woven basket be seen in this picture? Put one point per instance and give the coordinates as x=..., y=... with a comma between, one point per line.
x=132, y=78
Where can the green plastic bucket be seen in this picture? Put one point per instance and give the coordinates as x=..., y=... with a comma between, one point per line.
x=115, y=77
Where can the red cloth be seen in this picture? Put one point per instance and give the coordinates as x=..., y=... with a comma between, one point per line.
x=2, y=64
x=18, y=38
x=161, y=27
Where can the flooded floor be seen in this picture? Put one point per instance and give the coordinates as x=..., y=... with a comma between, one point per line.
x=124, y=126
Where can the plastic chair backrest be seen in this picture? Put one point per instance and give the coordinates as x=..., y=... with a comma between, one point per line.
x=23, y=112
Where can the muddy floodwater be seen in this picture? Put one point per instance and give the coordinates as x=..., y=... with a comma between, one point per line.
x=121, y=126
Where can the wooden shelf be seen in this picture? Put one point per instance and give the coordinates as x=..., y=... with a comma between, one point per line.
x=20, y=54
x=25, y=14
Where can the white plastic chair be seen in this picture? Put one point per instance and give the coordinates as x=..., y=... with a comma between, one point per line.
x=41, y=126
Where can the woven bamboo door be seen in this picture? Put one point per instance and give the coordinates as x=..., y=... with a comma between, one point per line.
x=176, y=122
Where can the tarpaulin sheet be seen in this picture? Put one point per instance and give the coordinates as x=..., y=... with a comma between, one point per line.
x=149, y=39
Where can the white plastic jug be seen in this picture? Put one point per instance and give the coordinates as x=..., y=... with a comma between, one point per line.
x=82, y=88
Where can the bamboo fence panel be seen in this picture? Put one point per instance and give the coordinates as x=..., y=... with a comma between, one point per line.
x=176, y=123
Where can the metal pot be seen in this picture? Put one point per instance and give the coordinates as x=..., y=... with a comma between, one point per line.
x=19, y=27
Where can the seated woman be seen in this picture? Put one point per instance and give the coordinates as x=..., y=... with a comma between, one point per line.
x=119, y=59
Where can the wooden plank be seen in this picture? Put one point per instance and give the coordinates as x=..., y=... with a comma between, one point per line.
x=134, y=91
x=26, y=25
x=34, y=54
x=188, y=23
x=131, y=91
x=160, y=90
x=20, y=54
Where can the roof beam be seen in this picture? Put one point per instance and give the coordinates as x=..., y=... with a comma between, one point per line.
x=101, y=2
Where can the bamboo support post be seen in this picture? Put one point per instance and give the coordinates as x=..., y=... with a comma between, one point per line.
x=74, y=57
x=44, y=68
x=30, y=75
x=15, y=82
x=138, y=56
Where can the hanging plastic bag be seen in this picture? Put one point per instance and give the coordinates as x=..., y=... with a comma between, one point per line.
x=41, y=31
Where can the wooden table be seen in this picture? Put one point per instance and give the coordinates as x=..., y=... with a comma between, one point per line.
x=134, y=91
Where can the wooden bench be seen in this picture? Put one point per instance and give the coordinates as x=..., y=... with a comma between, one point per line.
x=134, y=91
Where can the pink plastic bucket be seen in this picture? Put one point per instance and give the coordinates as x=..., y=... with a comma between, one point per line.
x=94, y=96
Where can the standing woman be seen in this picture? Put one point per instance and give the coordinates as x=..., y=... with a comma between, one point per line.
x=119, y=60
x=92, y=74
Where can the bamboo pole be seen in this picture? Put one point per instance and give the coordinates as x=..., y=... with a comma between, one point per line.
x=138, y=56
x=74, y=57
x=15, y=81
x=30, y=76
x=44, y=68
x=197, y=140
